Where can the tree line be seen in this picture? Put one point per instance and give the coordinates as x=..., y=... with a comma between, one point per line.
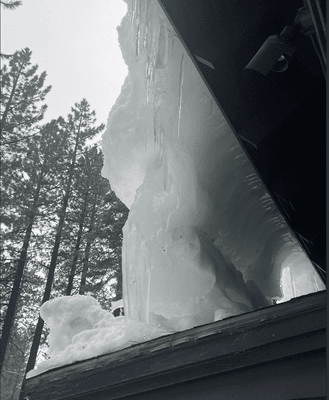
x=61, y=224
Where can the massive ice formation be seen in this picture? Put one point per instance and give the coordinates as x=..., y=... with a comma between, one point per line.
x=81, y=329
x=203, y=240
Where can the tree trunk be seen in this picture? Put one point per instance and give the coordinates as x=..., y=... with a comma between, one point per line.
x=54, y=255
x=87, y=251
x=77, y=246
x=10, y=315
x=5, y=114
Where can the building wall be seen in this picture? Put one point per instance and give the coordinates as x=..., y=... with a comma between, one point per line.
x=300, y=377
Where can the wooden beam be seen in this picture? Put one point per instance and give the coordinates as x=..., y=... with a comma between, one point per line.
x=266, y=335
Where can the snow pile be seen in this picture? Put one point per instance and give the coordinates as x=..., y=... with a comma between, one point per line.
x=81, y=329
x=204, y=240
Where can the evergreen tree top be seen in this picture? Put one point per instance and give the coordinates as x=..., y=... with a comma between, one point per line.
x=11, y=5
x=21, y=90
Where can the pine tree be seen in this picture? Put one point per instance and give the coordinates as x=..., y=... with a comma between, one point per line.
x=38, y=161
x=91, y=246
x=100, y=186
x=78, y=128
x=11, y=5
x=13, y=370
x=21, y=91
x=85, y=180
x=86, y=207
x=114, y=220
x=102, y=266
x=85, y=267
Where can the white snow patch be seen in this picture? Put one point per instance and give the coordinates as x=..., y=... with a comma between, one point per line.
x=116, y=304
x=81, y=329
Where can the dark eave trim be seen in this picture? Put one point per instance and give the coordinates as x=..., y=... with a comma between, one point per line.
x=266, y=335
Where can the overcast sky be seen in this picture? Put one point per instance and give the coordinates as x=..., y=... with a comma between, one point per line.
x=76, y=43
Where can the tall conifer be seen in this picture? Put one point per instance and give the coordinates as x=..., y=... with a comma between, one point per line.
x=22, y=205
x=77, y=129
x=21, y=91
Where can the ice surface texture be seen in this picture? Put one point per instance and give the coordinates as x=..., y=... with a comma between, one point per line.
x=81, y=329
x=204, y=240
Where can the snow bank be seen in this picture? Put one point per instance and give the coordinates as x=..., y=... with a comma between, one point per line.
x=81, y=329
x=203, y=240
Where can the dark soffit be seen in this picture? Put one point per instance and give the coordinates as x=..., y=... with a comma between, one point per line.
x=281, y=121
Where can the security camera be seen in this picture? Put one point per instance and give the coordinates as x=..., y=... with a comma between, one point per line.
x=275, y=53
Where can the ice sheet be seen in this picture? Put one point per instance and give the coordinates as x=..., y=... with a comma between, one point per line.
x=203, y=240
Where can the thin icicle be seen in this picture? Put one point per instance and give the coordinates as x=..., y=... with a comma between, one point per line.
x=181, y=82
x=137, y=53
x=161, y=55
x=149, y=81
x=134, y=14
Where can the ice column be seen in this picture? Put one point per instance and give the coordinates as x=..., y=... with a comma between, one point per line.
x=203, y=240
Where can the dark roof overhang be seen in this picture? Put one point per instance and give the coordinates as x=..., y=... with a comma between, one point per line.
x=279, y=119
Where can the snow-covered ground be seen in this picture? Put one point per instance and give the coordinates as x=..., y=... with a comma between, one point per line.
x=204, y=240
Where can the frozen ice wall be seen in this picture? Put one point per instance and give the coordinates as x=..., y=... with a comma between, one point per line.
x=203, y=240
